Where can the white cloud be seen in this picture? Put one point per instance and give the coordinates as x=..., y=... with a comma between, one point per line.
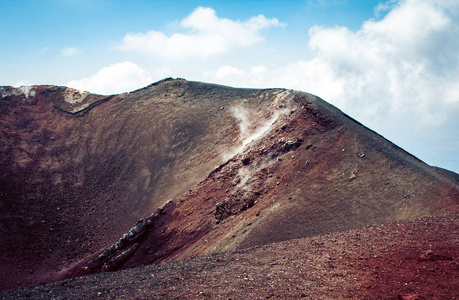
x=206, y=35
x=71, y=51
x=404, y=67
x=402, y=64
x=228, y=72
x=116, y=78
x=384, y=6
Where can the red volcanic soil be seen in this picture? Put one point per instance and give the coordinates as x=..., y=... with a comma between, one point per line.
x=403, y=260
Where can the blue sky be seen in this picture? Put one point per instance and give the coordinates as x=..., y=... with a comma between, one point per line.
x=38, y=31
x=393, y=65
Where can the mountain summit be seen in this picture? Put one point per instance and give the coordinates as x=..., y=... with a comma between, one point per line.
x=93, y=183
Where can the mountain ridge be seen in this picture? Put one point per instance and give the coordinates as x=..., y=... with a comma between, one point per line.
x=223, y=168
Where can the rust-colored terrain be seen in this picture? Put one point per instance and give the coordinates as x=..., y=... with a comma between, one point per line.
x=179, y=169
x=404, y=260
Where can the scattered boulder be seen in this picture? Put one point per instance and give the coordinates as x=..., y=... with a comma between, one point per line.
x=291, y=145
x=245, y=160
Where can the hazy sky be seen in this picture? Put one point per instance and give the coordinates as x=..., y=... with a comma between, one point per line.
x=392, y=65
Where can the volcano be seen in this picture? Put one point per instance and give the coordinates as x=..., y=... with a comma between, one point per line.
x=181, y=169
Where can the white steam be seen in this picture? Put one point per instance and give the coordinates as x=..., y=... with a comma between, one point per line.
x=251, y=128
x=27, y=91
x=259, y=131
x=242, y=115
x=244, y=175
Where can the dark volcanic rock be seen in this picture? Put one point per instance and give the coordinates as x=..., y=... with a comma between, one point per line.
x=245, y=160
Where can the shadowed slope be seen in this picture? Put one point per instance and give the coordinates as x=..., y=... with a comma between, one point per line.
x=78, y=170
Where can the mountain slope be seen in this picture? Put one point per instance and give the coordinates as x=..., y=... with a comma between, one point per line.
x=403, y=260
x=241, y=167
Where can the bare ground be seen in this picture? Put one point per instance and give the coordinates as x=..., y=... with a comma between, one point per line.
x=403, y=260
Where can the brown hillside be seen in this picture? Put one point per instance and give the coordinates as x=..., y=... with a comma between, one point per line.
x=79, y=170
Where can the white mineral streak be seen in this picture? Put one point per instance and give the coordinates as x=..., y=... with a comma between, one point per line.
x=74, y=96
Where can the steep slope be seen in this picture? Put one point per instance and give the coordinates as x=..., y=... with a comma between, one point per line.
x=306, y=169
x=240, y=167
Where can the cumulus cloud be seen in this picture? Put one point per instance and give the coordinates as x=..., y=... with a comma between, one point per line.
x=116, y=78
x=206, y=35
x=71, y=51
x=404, y=66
